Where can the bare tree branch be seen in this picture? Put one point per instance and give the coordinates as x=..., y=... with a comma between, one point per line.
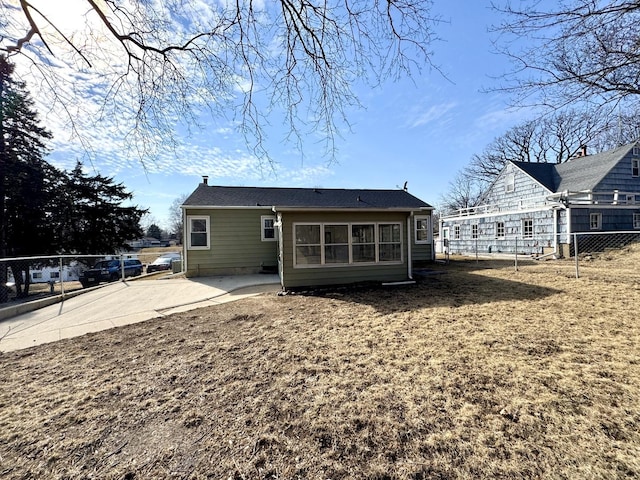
x=298, y=60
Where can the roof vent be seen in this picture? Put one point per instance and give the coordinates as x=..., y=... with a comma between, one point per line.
x=205, y=180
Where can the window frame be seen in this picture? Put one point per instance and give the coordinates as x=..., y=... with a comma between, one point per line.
x=597, y=216
x=190, y=232
x=635, y=167
x=510, y=182
x=351, y=243
x=427, y=229
x=474, y=231
x=500, y=230
x=456, y=231
x=527, y=228
x=263, y=228
x=636, y=221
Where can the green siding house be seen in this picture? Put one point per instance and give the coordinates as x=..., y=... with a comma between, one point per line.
x=309, y=236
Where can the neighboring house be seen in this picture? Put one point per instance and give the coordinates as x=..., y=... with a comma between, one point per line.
x=309, y=236
x=538, y=206
x=146, y=242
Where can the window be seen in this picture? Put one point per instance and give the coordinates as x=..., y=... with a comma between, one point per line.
x=336, y=243
x=527, y=228
x=346, y=244
x=268, y=223
x=36, y=275
x=636, y=220
x=364, y=244
x=635, y=167
x=54, y=275
x=308, y=245
x=456, y=232
x=509, y=182
x=499, y=229
x=198, y=233
x=595, y=221
x=474, y=231
x=636, y=151
x=422, y=229
x=390, y=244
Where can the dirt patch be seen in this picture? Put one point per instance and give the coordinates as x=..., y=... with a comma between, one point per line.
x=482, y=372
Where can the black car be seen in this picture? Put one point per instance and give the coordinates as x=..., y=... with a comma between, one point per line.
x=110, y=271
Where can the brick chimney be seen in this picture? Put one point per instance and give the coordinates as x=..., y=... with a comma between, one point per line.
x=205, y=180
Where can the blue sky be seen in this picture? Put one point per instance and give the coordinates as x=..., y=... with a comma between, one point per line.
x=421, y=131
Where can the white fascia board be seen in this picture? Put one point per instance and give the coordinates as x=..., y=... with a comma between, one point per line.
x=344, y=210
x=500, y=214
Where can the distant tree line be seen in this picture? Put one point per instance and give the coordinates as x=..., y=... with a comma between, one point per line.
x=45, y=210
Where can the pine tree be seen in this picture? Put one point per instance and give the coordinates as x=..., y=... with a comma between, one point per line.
x=24, y=175
x=91, y=217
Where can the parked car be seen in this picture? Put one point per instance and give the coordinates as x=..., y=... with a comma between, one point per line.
x=110, y=271
x=160, y=264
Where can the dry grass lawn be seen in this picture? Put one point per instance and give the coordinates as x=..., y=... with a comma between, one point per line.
x=482, y=372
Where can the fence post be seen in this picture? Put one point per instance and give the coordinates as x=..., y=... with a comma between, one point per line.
x=122, y=266
x=61, y=278
x=516, y=266
x=575, y=252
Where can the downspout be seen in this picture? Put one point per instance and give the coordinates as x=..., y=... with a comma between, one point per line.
x=569, y=225
x=409, y=236
x=184, y=240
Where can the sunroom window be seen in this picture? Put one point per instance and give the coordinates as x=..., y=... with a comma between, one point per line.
x=308, y=245
x=363, y=243
x=347, y=244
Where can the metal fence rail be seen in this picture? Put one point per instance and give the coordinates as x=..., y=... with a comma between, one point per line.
x=580, y=246
x=28, y=278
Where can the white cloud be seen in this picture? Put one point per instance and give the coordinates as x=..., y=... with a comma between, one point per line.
x=434, y=113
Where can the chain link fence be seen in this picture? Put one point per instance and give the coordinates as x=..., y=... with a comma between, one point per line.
x=579, y=246
x=29, y=278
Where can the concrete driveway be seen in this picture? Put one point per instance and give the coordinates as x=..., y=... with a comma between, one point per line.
x=122, y=303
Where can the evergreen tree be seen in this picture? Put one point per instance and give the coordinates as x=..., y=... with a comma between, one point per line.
x=91, y=217
x=24, y=175
x=154, y=231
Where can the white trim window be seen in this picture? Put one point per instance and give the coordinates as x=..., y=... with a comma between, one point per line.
x=389, y=242
x=500, y=231
x=474, y=231
x=336, y=243
x=527, y=227
x=268, y=228
x=456, y=232
x=510, y=182
x=341, y=244
x=198, y=232
x=421, y=227
x=635, y=167
x=636, y=220
x=595, y=221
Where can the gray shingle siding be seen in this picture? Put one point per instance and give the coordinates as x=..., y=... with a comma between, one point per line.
x=574, y=189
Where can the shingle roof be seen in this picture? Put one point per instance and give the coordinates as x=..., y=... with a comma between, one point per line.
x=219, y=196
x=543, y=173
x=582, y=173
x=585, y=173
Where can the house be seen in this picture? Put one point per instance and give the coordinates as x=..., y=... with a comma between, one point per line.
x=535, y=208
x=309, y=236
